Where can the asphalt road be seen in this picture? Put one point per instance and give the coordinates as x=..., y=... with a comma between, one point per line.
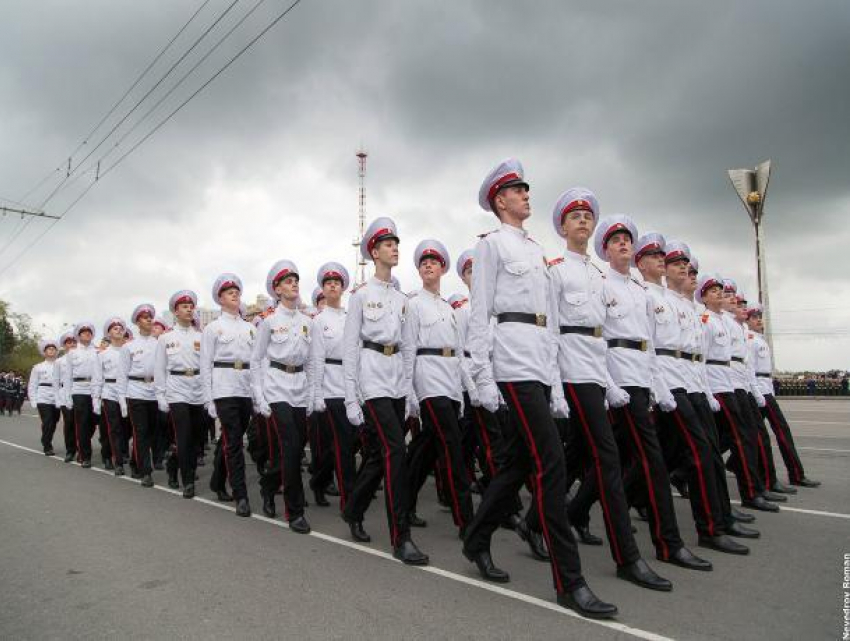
x=88, y=555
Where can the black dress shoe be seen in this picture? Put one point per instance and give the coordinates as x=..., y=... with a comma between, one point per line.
x=69, y=457
x=488, y=570
x=107, y=465
x=774, y=497
x=722, y=543
x=50, y=452
x=684, y=558
x=331, y=489
x=319, y=496
x=223, y=496
x=510, y=522
x=173, y=484
x=86, y=464
x=269, y=508
x=804, y=482
x=299, y=524
x=243, y=508
x=780, y=487
x=758, y=503
x=416, y=521
x=742, y=531
x=135, y=474
x=742, y=517
x=189, y=491
x=409, y=554
x=583, y=601
x=586, y=536
x=158, y=465
x=358, y=533
x=147, y=481
x=119, y=470
x=641, y=574
x=534, y=540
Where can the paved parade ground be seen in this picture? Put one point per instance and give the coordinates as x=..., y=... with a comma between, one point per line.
x=88, y=555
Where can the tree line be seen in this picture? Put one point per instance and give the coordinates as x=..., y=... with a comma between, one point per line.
x=18, y=342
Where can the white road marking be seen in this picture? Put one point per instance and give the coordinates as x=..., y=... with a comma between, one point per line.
x=823, y=449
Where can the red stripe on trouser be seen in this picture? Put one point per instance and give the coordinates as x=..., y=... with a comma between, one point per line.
x=387, y=473
x=649, y=486
x=224, y=451
x=269, y=441
x=488, y=450
x=77, y=434
x=135, y=439
x=538, y=480
x=796, y=473
x=763, y=460
x=455, y=505
x=337, y=459
x=737, y=437
x=174, y=431
x=282, y=464
x=700, y=476
x=606, y=511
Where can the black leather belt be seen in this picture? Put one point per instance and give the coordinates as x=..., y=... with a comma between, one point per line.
x=738, y=359
x=694, y=358
x=447, y=352
x=109, y=380
x=238, y=365
x=141, y=379
x=333, y=361
x=283, y=367
x=82, y=379
x=596, y=332
x=386, y=350
x=622, y=342
x=763, y=374
x=45, y=384
x=713, y=362
x=466, y=354
x=522, y=317
x=184, y=372
x=675, y=353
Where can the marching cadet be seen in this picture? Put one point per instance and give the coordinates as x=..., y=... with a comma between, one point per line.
x=42, y=393
x=69, y=431
x=226, y=346
x=19, y=391
x=136, y=390
x=433, y=360
x=718, y=356
x=375, y=385
x=107, y=401
x=578, y=288
x=177, y=385
x=631, y=365
x=762, y=362
x=329, y=386
x=77, y=383
x=511, y=283
x=281, y=379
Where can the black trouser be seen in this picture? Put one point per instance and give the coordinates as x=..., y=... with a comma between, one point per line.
x=234, y=414
x=143, y=417
x=534, y=451
x=49, y=415
x=700, y=404
x=218, y=478
x=683, y=434
x=110, y=414
x=736, y=436
x=103, y=436
x=127, y=432
x=602, y=476
x=83, y=415
x=187, y=422
x=383, y=458
x=69, y=430
x=784, y=438
x=341, y=462
x=764, y=452
x=646, y=481
x=321, y=452
x=289, y=424
x=161, y=436
x=440, y=440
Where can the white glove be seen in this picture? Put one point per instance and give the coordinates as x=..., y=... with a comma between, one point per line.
x=354, y=414
x=311, y=406
x=33, y=406
x=474, y=399
x=617, y=396
x=69, y=404
x=122, y=405
x=460, y=408
x=713, y=403
x=319, y=406
x=488, y=396
x=667, y=403
x=263, y=408
x=211, y=409
x=760, y=400
x=95, y=406
x=411, y=407
x=502, y=402
x=163, y=405
x=558, y=406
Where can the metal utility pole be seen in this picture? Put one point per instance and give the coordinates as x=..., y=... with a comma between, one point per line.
x=25, y=212
x=360, y=264
x=751, y=187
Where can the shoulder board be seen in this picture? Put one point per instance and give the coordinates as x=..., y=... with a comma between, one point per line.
x=704, y=318
x=556, y=261
x=532, y=240
x=357, y=287
x=487, y=233
x=596, y=267
x=638, y=283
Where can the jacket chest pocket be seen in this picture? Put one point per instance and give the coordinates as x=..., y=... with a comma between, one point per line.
x=279, y=335
x=375, y=310
x=722, y=338
x=576, y=305
x=172, y=348
x=518, y=275
x=619, y=308
x=663, y=315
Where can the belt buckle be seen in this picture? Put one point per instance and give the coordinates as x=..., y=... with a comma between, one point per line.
x=389, y=350
x=643, y=346
x=148, y=379
x=190, y=373
x=695, y=358
x=678, y=353
x=540, y=320
x=447, y=352
x=237, y=365
x=597, y=332
x=289, y=369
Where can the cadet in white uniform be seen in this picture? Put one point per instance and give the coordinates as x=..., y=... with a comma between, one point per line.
x=77, y=387
x=107, y=401
x=68, y=343
x=41, y=390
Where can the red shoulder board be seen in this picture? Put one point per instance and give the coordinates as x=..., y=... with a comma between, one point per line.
x=487, y=233
x=354, y=289
x=637, y=282
x=556, y=261
x=704, y=318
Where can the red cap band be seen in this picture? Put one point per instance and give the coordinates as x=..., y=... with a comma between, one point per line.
x=675, y=255
x=653, y=248
x=613, y=229
x=374, y=239
x=283, y=273
x=183, y=299
x=331, y=275
x=227, y=285
x=432, y=253
x=496, y=186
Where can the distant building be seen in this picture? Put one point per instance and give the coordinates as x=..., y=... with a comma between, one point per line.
x=261, y=304
x=207, y=316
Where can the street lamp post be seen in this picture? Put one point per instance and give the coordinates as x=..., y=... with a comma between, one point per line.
x=751, y=187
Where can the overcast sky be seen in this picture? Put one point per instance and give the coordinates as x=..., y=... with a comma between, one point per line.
x=646, y=103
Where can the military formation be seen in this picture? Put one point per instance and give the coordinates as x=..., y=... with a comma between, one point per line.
x=581, y=383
